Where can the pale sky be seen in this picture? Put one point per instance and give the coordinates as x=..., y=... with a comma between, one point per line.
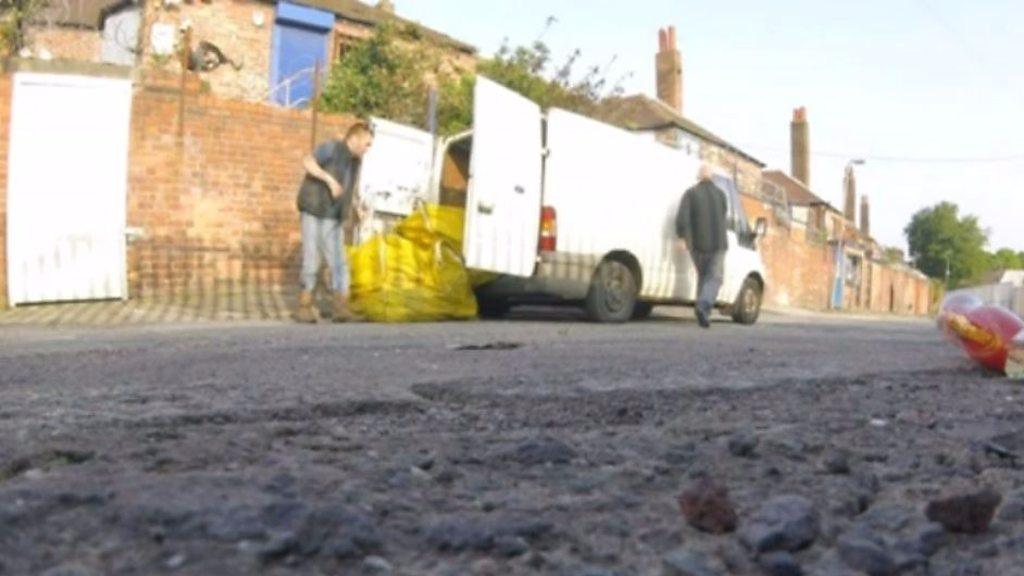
x=940, y=81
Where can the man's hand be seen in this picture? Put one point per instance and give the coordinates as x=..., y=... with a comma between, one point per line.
x=334, y=187
x=362, y=211
x=314, y=170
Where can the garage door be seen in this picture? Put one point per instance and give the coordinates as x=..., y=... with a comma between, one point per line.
x=67, y=185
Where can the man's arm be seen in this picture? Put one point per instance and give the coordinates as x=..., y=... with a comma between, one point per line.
x=683, y=218
x=312, y=165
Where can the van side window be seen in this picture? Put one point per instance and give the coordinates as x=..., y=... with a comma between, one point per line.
x=737, y=215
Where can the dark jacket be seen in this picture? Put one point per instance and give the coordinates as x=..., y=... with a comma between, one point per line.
x=701, y=220
x=315, y=197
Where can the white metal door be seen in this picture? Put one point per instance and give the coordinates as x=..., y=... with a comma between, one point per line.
x=396, y=171
x=67, y=186
x=504, y=198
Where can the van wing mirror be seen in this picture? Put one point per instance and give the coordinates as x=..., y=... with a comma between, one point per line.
x=761, y=227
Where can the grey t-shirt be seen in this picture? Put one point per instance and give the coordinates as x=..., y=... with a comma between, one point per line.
x=315, y=197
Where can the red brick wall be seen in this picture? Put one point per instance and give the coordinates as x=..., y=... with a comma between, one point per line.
x=230, y=25
x=5, y=123
x=69, y=43
x=897, y=290
x=799, y=272
x=216, y=207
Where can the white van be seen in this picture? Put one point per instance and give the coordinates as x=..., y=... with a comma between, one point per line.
x=569, y=210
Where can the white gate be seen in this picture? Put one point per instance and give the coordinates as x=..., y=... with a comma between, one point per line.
x=67, y=188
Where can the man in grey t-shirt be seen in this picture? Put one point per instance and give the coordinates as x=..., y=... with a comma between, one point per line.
x=324, y=199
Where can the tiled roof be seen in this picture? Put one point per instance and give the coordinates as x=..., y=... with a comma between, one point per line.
x=796, y=193
x=641, y=112
x=370, y=15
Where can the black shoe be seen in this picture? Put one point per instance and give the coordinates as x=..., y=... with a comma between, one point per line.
x=702, y=318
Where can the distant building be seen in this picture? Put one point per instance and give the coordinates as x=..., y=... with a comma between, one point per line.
x=1015, y=277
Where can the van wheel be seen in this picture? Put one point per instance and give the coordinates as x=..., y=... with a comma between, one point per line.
x=747, y=307
x=492, y=309
x=612, y=294
x=642, y=310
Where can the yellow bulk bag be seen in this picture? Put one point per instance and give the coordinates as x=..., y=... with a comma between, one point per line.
x=415, y=273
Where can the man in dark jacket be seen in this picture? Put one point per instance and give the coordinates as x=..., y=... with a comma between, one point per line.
x=324, y=200
x=702, y=223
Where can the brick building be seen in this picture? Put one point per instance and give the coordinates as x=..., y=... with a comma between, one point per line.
x=853, y=271
x=270, y=48
x=105, y=31
x=815, y=255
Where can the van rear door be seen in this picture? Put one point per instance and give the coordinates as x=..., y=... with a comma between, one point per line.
x=396, y=171
x=504, y=198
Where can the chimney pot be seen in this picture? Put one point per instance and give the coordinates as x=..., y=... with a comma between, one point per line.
x=850, y=208
x=669, y=67
x=865, y=216
x=800, y=147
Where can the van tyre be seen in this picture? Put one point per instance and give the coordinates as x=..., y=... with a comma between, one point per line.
x=642, y=310
x=493, y=309
x=747, y=307
x=612, y=294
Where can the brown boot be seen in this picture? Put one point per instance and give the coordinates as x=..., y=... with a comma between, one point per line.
x=306, y=313
x=341, y=311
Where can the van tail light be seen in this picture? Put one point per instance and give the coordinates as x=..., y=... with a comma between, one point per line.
x=548, y=229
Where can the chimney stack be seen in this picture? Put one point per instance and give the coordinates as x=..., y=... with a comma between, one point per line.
x=800, y=147
x=850, y=185
x=865, y=217
x=669, y=66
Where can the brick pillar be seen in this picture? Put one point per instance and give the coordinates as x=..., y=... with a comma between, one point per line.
x=865, y=216
x=669, y=66
x=800, y=147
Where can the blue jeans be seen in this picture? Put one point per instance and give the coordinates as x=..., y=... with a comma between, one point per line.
x=710, y=274
x=323, y=236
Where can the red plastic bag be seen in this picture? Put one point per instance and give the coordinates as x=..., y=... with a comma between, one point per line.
x=991, y=335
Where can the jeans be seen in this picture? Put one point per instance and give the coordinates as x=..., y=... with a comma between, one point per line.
x=323, y=236
x=710, y=273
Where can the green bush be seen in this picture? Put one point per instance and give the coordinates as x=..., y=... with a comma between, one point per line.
x=382, y=77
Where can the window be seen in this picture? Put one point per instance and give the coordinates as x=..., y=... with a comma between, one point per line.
x=853, y=270
x=737, y=215
x=342, y=43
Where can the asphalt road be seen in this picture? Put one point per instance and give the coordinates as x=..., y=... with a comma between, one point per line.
x=559, y=448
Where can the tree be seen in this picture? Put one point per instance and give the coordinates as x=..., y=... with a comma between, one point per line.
x=893, y=255
x=1006, y=259
x=379, y=77
x=391, y=74
x=939, y=235
x=526, y=70
x=14, y=14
